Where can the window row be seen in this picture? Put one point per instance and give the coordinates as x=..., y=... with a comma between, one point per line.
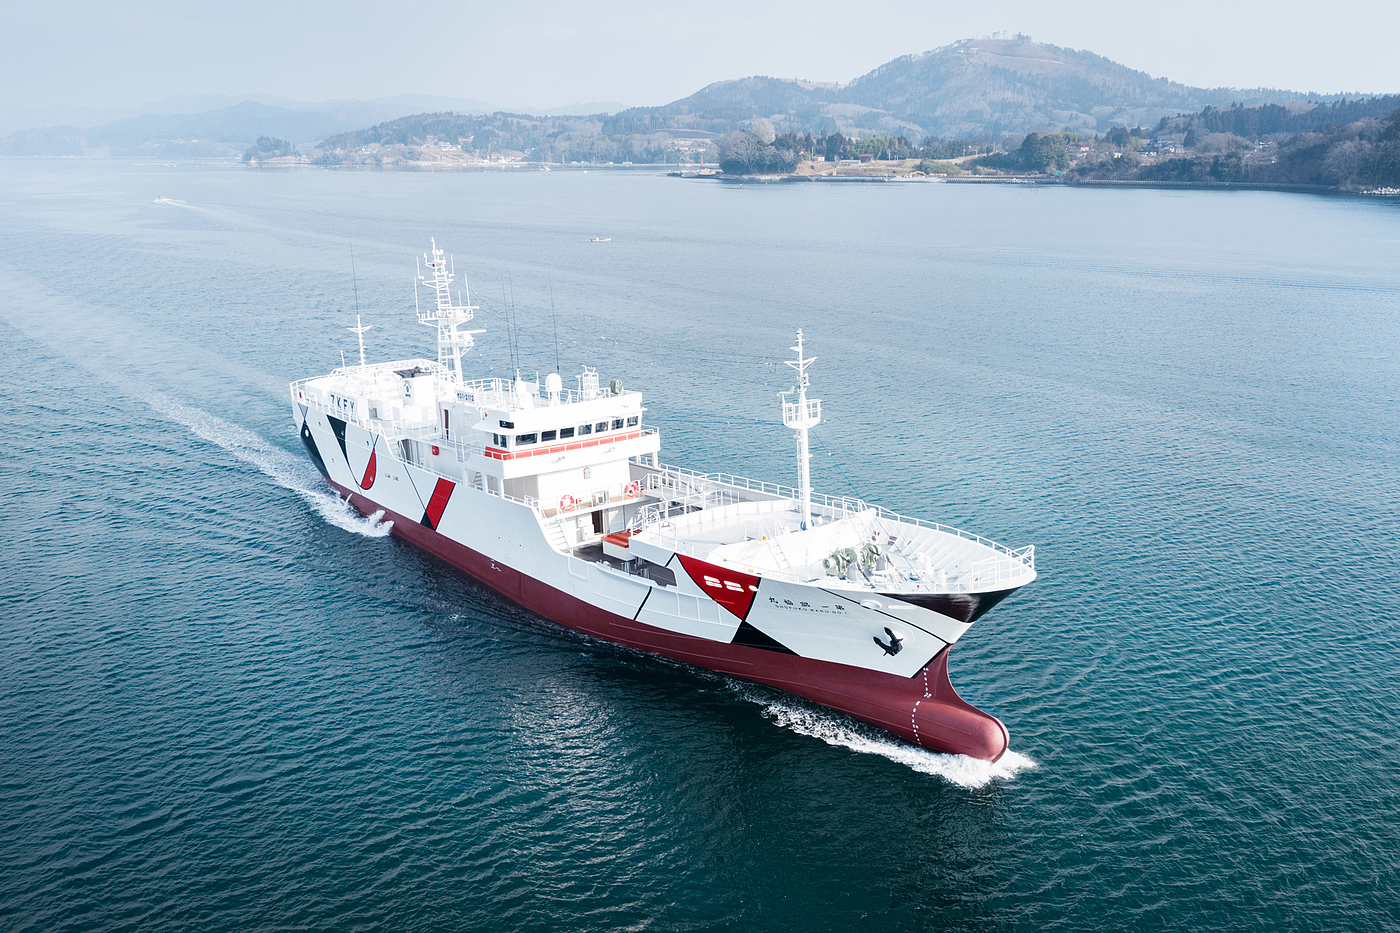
x=563, y=434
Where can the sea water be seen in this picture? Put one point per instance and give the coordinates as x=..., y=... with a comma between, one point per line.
x=228, y=702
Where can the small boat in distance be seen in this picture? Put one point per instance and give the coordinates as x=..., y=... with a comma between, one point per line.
x=602, y=239
x=556, y=498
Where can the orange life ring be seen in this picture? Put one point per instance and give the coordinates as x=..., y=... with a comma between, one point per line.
x=632, y=490
x=566, y=503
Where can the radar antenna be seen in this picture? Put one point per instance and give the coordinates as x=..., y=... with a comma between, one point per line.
x=802, y=415
x=453, y=341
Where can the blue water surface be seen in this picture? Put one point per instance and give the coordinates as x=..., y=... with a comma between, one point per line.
x=226, y=703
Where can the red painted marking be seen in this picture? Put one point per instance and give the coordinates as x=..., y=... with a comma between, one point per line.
x=731, y=589
x=441, y=493
x=368, y=481
x=494, y=453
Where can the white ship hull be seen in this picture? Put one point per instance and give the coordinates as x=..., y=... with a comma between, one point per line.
x=555, y=498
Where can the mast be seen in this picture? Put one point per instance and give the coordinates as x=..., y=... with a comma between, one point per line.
x=448, y=317
x=802, y=416
x=359, y=331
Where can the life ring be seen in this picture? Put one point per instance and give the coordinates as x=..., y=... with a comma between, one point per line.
x=632, y=490
x=566, y=503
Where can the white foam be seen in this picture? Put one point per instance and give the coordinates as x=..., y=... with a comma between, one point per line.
x=288, y=471
x=834, y=730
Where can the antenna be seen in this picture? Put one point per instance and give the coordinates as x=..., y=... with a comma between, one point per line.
x=510, y=327
x=802, y=416
x=553, y=322
x=355, y=284
x=359, y=329
x=514, y=322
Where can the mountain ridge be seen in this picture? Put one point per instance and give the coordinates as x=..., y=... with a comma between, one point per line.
x=176, y=126
x=972, y=86
x=969, y=88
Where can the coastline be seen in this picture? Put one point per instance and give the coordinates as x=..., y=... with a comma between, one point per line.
x=670, y=170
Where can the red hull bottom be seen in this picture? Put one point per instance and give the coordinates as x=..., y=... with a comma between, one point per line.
x=924, y=709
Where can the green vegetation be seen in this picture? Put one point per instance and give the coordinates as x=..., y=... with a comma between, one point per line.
x=743, y=153
x=1299, y=149
x=883, y=148
x=268, y=147
x=1051, y=153
x=533, y=139
x=930, y=167
x=1253, y=122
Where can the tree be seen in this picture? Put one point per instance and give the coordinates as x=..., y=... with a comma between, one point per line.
x=743, y=153
x=763, y=130
x=738, y=152
x=268, y=147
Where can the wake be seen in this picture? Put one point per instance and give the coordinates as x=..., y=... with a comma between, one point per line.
x=286, y=470
x=833, y=730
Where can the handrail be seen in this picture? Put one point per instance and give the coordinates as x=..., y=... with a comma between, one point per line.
x=978, y=576
x=850, y=505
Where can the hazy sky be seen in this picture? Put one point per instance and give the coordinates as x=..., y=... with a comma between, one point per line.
x=553, y=53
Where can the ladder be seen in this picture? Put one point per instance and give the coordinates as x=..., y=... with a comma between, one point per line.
x=554, y=533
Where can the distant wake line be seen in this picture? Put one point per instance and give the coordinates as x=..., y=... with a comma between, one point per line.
x=831, y=729
x=288, y=471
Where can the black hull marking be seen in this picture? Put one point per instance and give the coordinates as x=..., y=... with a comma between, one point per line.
x=338, y=427
x=310, y=443
x=965, y=607
x=746, y=634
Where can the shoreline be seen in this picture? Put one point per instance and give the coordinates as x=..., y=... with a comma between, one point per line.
x=1044, y=180
x=670, y=170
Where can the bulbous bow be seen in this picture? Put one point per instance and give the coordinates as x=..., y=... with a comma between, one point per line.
x=942, y=721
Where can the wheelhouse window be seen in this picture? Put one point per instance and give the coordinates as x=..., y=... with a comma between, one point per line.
x=565, y=433
x=617, y=425
x=632, y=421
x=525, y=439
x=498, y=440
x=585, y=429
x=549, y=435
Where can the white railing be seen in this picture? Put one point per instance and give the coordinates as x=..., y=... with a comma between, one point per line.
x=428, y=367
x=1017, y=560
x=501, y=393
x=1003, y=568
x=688, y=493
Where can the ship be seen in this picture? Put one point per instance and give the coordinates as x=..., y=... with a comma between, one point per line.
x=557, y=498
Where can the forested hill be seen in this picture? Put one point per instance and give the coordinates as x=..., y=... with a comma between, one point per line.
x=508, y=130
x=539, y=138
x=1271, y=119
x=1267, y=145
x=976, y=86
